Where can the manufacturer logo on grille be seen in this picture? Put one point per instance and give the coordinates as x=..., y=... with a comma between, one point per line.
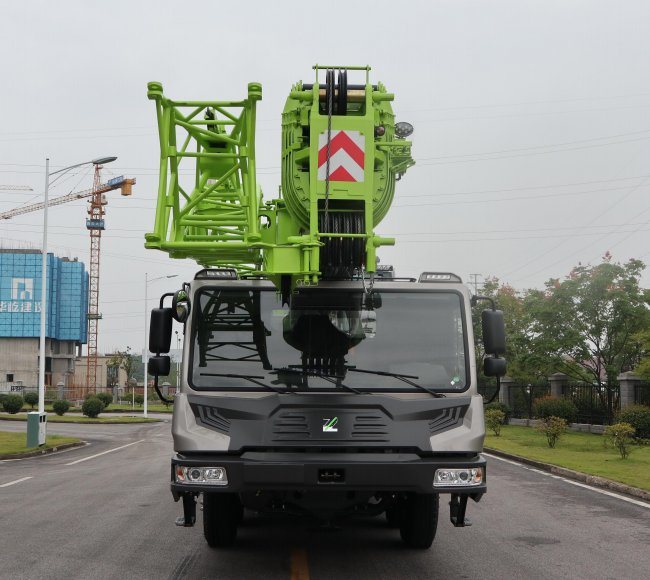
x=329, y=425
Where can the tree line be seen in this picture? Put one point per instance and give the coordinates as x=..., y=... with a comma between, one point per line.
x=591, y=325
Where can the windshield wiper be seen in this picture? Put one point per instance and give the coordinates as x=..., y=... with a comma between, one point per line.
x=399, y=377
x=251, y=378
x=334, y=379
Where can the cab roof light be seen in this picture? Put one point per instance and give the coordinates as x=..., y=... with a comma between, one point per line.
x=216, y=274
x=439, y=277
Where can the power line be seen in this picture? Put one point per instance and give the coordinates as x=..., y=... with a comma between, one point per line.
x=562, y=144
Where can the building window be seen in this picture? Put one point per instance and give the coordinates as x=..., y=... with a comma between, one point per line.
x=10, y=377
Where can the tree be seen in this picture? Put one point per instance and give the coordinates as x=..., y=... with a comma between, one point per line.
x=125, y=360
x=522, y=364
x=588, y=325
x=643, y=369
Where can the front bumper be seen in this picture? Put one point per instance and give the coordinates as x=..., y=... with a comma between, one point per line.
x=398, y=472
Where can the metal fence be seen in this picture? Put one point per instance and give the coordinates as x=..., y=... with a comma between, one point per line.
x=642, y=394
x=523, y=397
x=596, y=404
x=487, y=391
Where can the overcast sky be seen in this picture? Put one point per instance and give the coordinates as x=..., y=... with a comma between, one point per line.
x=532, y=123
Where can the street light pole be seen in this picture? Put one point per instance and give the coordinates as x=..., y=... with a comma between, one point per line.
x=41, y=361
x=37, y=427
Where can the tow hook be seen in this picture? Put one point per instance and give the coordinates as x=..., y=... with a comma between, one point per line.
x=188, y=519
x=457, y=508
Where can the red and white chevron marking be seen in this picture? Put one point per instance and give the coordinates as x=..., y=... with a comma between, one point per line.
x=347, y=156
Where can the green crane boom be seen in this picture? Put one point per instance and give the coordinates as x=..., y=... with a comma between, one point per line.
x=341, y=155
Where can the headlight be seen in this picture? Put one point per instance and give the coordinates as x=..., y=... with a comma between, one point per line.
x=201, y=475
x=455, y=477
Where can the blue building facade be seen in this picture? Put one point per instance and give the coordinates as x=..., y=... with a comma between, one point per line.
x=20, y=296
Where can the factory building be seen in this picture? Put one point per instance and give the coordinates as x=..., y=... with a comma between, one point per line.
x=20, y=318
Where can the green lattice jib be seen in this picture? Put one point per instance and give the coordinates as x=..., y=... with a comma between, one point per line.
x=208, y=200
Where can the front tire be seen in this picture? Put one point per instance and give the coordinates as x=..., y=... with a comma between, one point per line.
x=419, y=520
x=222, y=513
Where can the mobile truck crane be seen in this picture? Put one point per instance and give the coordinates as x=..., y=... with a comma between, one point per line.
x=314, y=382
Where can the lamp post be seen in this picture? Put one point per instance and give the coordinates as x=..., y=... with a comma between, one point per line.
x=146, y=335
x=37, y=426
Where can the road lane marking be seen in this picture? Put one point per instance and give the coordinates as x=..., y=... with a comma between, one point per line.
x=576, y=483
x=299, y=565
x=103, y=453
x=16, y=481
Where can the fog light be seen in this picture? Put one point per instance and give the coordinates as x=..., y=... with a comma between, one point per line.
x=453, y=477
x=201, y=475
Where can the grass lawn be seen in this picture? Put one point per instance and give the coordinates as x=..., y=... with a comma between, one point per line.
x=152, y=408
x=583, y=452
x=11, y=443
x=51, y=418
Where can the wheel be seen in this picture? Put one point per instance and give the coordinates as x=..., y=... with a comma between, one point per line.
x=419, y=520
x=222, y=513
x=393, y=516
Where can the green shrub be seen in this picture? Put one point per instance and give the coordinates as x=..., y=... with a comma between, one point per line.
x=621, y=436
x=61, y=407
x=12, y=404
x=31, y=398
x=639, y=417
x=553, y=428
x=92, y=407
x=499, y=406
x=105, y=398
x=494, y=419
x=546, y=407
x=139, y=399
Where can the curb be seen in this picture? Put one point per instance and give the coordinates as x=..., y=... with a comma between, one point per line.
x=40, y=452
x=592, y=480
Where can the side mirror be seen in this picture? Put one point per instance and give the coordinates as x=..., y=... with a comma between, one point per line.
x=180, y=306
x=159, y=366
x=494, y=332
x=160, y=330
x=494, y=367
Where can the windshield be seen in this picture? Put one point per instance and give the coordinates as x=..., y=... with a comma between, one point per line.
x=395, y=341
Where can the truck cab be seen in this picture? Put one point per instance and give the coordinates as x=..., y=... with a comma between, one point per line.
x=351, y=398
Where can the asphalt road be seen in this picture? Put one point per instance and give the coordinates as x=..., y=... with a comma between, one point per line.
x=105, y=511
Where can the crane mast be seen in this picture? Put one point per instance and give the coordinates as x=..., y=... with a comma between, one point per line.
x=95, y=225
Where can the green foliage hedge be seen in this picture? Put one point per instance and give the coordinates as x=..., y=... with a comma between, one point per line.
x=12, y=404
x=639, y=417
x=105, y=398
x=494, y=419
x=61, y=407
x=92, y=407
x=31, y=398
x=497, y=405
x=546, y=407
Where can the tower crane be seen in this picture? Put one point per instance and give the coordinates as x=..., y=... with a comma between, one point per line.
x=94, y=224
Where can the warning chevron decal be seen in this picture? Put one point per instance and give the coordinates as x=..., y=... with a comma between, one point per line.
x=347, y=156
